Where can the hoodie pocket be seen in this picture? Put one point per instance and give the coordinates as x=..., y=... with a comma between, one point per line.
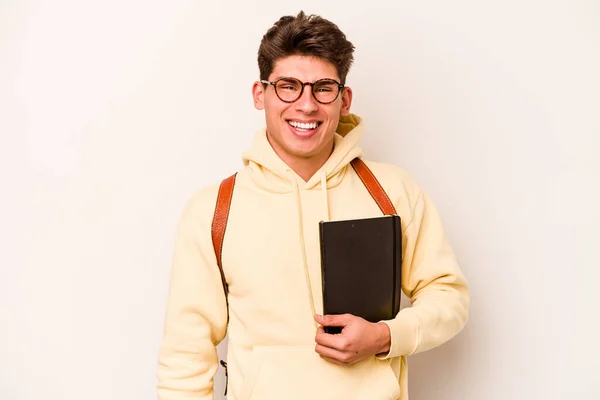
x=298, y=373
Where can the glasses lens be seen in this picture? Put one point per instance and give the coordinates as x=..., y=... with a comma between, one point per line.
x=326, y=90
x=288, y=89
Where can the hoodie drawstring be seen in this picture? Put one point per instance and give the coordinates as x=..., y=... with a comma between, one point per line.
x=324, y=191
x=325, y=198
x=303, y=246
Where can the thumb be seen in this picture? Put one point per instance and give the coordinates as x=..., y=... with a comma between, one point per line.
x=332, y=320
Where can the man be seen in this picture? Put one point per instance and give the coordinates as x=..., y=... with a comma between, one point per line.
x=296, y=174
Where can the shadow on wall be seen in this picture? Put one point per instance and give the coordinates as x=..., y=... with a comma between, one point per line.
x=435, y=373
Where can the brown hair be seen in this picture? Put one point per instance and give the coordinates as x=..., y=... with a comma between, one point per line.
x=305, y=35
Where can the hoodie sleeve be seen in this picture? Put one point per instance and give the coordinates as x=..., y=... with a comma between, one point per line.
x=196, y=314
x=432, y=279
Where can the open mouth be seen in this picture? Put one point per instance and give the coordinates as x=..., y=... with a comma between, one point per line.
x=304, y=128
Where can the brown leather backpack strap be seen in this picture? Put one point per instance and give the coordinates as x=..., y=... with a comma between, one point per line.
x=373, y=186
x=219, y=222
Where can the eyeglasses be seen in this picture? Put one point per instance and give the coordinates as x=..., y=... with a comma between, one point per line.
x=325, y=91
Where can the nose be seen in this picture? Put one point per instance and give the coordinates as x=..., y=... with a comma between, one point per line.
x=307, y=103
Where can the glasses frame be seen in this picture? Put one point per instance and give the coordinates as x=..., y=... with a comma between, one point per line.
x=311, y=84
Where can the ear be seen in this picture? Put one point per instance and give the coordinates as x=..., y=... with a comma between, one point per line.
x=258, y=94
x=346, y=101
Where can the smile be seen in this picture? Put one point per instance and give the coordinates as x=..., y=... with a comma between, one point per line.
x=304, y=126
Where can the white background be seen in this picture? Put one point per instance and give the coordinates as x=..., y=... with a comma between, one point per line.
x=113, y=113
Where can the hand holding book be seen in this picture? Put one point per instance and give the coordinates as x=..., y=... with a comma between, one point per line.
x=359, y=339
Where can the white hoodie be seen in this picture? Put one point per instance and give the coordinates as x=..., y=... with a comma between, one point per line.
x=271, y=260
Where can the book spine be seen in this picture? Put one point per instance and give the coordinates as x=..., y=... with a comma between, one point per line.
x=397, y=264
x=323, y=267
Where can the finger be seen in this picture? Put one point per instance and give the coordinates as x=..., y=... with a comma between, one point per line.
x=339, y=357
x=336, y=342
x=334, y=361
x=333, y=320
x=321, y=331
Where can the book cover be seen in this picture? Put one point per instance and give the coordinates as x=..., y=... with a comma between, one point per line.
x=361, y=267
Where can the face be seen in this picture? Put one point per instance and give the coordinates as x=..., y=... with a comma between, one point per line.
x=312, y=141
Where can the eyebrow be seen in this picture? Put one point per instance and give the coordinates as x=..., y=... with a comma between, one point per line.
x=283, y=77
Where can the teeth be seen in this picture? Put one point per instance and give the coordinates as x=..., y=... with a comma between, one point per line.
x=302, y=125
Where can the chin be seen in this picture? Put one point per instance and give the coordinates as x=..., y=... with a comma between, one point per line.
x=302, y=152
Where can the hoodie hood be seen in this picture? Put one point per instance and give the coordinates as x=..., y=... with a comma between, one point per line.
x=269, y=172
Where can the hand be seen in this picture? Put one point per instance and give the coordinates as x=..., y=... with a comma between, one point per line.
x=359, y=340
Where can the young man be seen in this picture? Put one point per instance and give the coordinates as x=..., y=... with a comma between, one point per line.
x=296, y=174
